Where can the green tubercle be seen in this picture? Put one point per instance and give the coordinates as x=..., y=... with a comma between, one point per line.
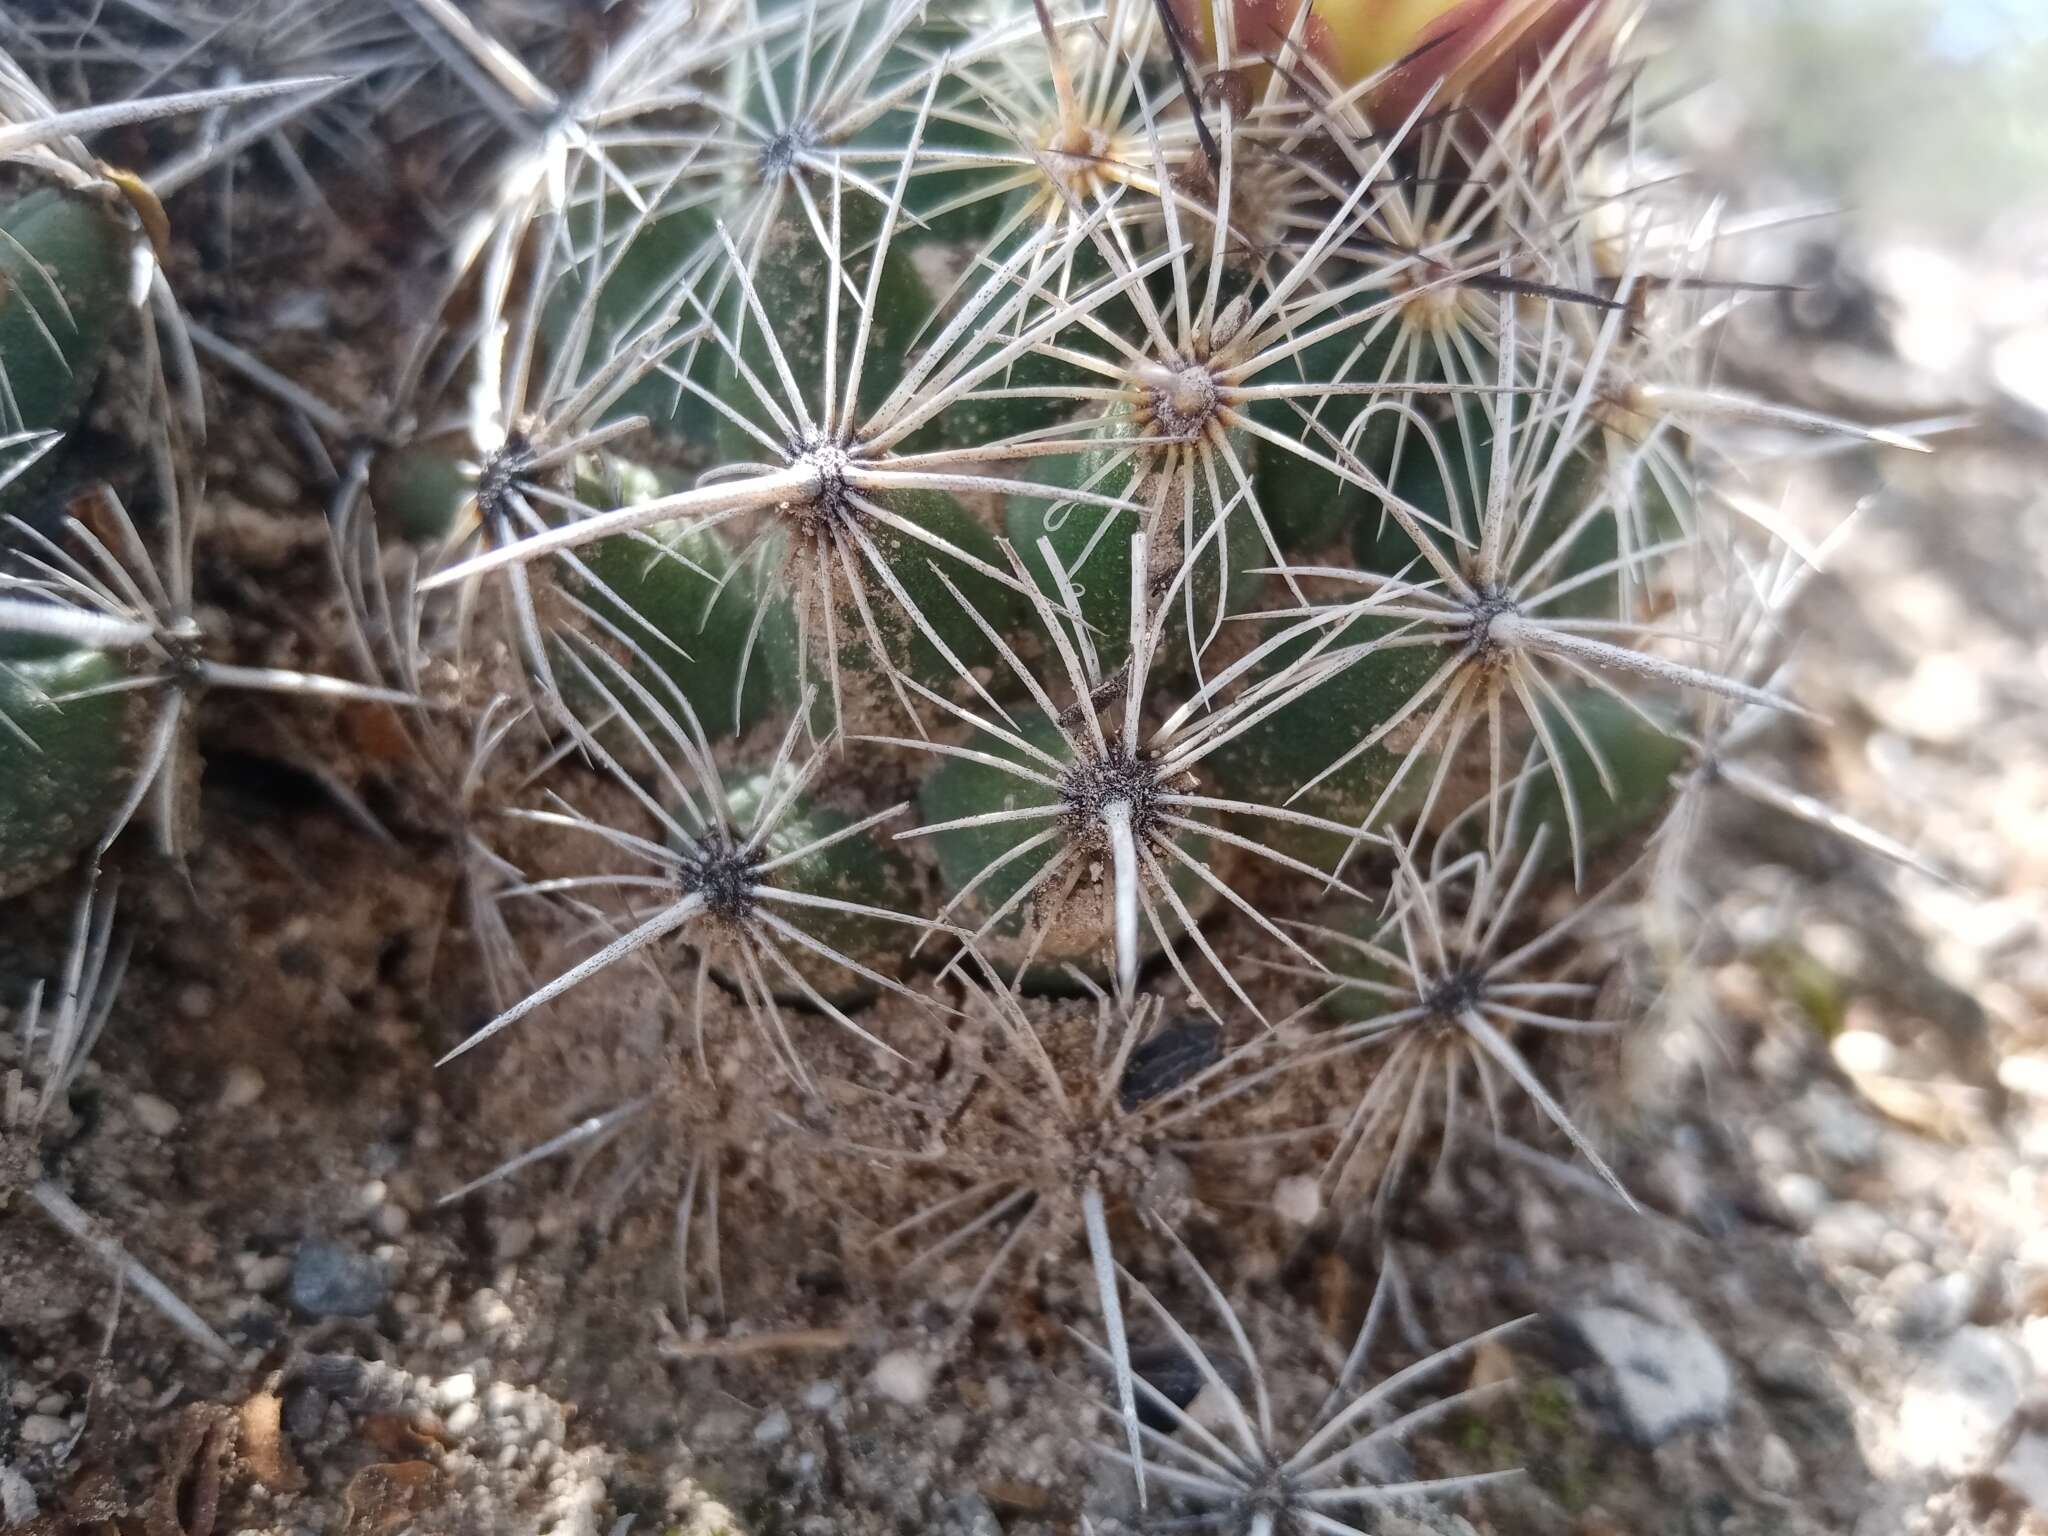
x=1076, y=932
x=422, y=490
x=1641, y=760
x=711, y=619
x=866, y=869
x=1306, y=504
x=1598, y=482
x=65, y=261
x=794, y=282
x=639, y=268
x=66, y=763
x=1270, y=763
x=961, y=788
x=1093, y=543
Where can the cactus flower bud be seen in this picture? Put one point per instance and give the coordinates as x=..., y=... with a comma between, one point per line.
x=1472, y=52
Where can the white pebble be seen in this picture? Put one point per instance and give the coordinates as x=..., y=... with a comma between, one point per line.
x=242, y=1087
x=1864, y=1052
x=2026, y=1075
x=267, y=1274
x=488, y=1312
x=902, y=1376
x=1959, y=1401
x=17, y=1499
x=390, y=1221
x=820, y=1395
x=1299, y=1200
x=455, y=1389
x=1802, y=1197
x=43, y=1429
x=53, y=1403
x=772, y=1430
x=155, y=1115
x=1777, y=1469
x=464, y=1419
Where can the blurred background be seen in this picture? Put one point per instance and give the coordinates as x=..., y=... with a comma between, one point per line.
x=1924, y=125
x=1900, y=1061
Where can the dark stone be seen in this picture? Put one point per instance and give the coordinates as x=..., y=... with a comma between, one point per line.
x=331, y=1281
x=1168, y=1059
x=1171, y=1372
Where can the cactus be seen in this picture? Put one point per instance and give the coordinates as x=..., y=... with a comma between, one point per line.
x=1246, y=474
x=92, y=622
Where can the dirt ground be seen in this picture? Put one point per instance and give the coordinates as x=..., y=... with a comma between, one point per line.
x=1832, y=1316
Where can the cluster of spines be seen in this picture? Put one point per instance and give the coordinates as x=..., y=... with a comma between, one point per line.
x=1184, y=454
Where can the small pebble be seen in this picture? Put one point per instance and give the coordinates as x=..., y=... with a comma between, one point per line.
x=969, y=1514
x=820, y=1395
x=1838, y=1130
x=1861, y=1052
x=390, y=1221
x=2026, y=1075
x=1668, y=1374
x=773, y=1429
x=156, y=1116
x=454, y=1390
x=331, y=1281
x=1796, y=1368
x=43, y=1429
x=1298, y=1200
x=1777, y=1469
x=53, y=1403
x=512, y=1239
x=17, y=1499
x=1959, y=1401
x=242, y=1087
x=272, y=485
x=1852, y=1233
x=902, y=1376
x=490, y=1313
x=267, y=1274
x=2024, y=1471
x=464, y=1419
x=721, y=1426
x=1801, y=1197
x=1936, y=1306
